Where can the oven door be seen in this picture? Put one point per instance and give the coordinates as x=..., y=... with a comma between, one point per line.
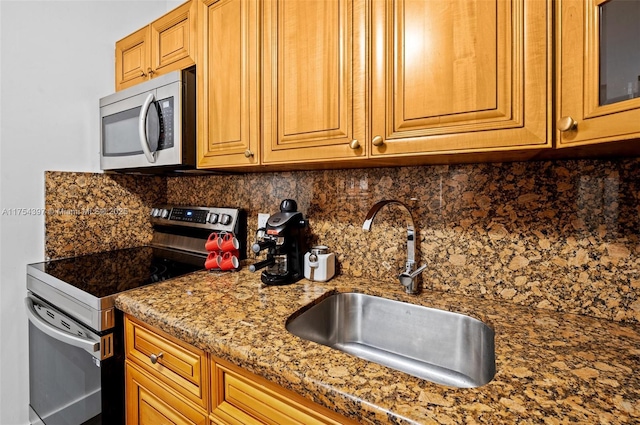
x=64, y=367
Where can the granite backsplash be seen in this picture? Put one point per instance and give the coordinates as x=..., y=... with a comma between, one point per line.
x=559, y=235
x=89, y=213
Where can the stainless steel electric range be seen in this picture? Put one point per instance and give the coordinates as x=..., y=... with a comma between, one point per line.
x=76, y=352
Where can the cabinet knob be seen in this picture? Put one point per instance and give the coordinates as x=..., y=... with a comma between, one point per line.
x=248, y=153
x=154, y=358
x=150, y=71
x=567, y=124
x=142, y=74
x=354, y=144
x=377, y=141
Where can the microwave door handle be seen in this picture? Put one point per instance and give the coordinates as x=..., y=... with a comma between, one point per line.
x=142, y=129
x=90, y=346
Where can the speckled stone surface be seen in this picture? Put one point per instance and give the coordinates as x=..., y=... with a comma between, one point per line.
x=91, y=212
x=552, y=368
x=557, y=235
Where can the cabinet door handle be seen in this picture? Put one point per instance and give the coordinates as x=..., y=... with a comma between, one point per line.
x=248, y=153
x=154, y=358
x=150, y=72
x=567, y=124
x=354, y=144
x=142, y=74
x=377, y=141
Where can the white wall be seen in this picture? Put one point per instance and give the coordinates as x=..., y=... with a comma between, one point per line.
x=56, y=61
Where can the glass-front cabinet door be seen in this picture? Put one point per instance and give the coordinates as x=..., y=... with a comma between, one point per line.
x=598, y=91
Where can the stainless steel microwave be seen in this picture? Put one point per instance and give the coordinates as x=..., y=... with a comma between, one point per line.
x=150, y=127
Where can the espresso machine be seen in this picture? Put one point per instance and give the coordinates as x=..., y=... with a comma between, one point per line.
x=284, y=239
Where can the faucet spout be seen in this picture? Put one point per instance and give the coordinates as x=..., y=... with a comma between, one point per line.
x=412, y=286
x=411, y=247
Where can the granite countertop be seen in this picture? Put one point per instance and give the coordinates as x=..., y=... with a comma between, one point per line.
x=551, y=368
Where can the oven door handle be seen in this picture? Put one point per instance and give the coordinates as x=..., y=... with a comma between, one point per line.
x=89, y=345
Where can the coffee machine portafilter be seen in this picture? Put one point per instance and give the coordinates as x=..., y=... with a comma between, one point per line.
x=284, y=239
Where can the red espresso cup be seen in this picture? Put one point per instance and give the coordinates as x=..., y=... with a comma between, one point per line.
x=228, y=261
x=212, y=242
x=228, y=242
x=212, y=260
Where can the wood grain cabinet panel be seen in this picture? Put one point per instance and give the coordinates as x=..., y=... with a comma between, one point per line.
x=342, y=81
x=239, y=397
x=451, y=77
x=150, y=403
x=228, y=78
x=173, y=39
x=578, y=82
x=181, y=366
x=313, y=81
x=165, y=391
x=168, y=44
x=132, y=59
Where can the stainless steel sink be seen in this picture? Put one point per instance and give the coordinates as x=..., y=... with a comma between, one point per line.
x=436, y=345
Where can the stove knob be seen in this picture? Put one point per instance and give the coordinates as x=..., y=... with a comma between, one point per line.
x=212, y=218
x=154, y=212
x=165, y=213
x=225, y=219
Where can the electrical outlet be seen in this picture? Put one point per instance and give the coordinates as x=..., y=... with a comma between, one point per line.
x=262, y=220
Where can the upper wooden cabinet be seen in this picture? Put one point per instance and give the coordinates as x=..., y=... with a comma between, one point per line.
x=453, y=77
x=228, y=84
x=325, y=83
x=133, y=56
x=313, y=81
x=168, y=44
x=598, y=67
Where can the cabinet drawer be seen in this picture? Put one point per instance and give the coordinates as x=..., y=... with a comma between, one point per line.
x=239, y=397
x=148, y=403
x=180, y=365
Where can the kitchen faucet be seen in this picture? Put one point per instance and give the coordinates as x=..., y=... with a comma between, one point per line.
x=410, y=277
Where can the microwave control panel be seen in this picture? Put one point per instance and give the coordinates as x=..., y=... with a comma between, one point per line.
x=165, y=115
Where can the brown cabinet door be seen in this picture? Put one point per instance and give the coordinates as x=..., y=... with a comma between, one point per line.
x=150, y=403
x=181, y=366
x=173, y=39
x=132, y=59
x=594, y=107
x=313, y=81
x=228, y=92
x=451, y=77
x=168, y=44
x=240, y=397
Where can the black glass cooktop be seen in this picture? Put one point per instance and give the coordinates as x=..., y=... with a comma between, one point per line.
x=108, y=273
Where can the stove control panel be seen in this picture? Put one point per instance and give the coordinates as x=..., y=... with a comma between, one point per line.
x=210, y=218
x=189, y=215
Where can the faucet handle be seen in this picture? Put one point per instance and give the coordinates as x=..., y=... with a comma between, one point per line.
x=417, y=272
x=409, y=281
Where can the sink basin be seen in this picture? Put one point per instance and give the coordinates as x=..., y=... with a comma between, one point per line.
x=439, y=346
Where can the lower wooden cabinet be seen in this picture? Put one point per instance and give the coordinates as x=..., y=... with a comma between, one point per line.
x=150, y=403
x=240, y=397
x=169, y=382
x=179, y=366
